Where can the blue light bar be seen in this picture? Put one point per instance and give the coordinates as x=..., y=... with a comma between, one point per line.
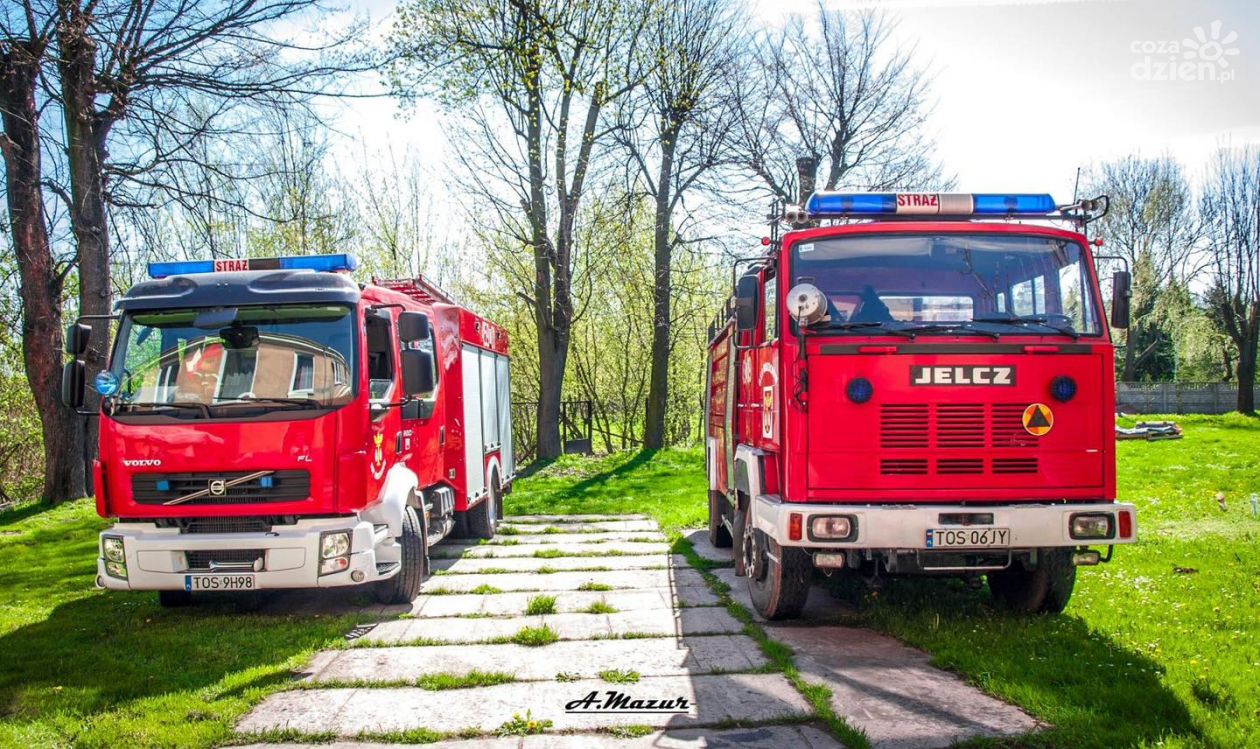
x=823, y=204
x=325, y=263
x=1005, y=205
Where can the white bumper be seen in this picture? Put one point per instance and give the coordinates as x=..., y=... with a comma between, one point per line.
x=1032, y=526
x=156, y=557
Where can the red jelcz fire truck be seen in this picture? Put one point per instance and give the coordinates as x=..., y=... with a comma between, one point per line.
x=908, y=384
x=271, y=423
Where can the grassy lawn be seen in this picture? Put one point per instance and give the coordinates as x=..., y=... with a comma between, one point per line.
x=80, y=667
x=1159, y=648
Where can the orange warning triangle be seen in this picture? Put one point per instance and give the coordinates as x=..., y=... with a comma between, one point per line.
x=1038, y=419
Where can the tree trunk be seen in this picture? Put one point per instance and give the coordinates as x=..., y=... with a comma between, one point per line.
x=85, y=141
x=1130, y=354
x=1247, y=365
x=662, y=290
x=41, y=285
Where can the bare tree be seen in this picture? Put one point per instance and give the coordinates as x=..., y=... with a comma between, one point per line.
x=531, y=81
x=1230, y=207
x=832, y=89
x=674, y=130
x=25, y=36
x=1151, y=223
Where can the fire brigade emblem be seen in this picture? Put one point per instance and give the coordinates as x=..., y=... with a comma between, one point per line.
x=378, y=440
x=1038, y=419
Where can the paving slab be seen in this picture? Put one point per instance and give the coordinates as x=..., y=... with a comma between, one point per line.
x=712, y=701
x=514, y=604
x=761, y=737
x=473, y=550
x=534, y=564
x=662, y=656
x=563, y=580
x=883, y=687
x=699, y=539
x=600, y=526
x=526, y=536
x=559, y=519
x=654, y=622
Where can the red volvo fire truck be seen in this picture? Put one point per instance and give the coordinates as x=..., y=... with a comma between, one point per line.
x=917, y=384
x=271, y=423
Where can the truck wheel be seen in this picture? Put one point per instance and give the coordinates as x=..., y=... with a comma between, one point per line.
x=778, y=576
x=719, y=536
x=405, y=586
x=484, y=518
x=1047, y=588
x=173, y=599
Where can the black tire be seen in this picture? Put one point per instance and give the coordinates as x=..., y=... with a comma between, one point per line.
x=779, y=589
x=483, y=519
x=405, y=586
x=719, y=535
x=740, y=524
x=174, y=599
x=1047, y=588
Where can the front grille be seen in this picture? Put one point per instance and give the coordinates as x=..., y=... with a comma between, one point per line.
x=225, y=525
x=160, y=488
x=904, y=426
x=903, y=467
x=921, y=426
x=960, y=467
x=201, y=560
x=1014, y=465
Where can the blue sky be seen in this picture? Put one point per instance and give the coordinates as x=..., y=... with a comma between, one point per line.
x=1024, y=91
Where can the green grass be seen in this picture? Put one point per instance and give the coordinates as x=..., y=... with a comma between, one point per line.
x=594, y=587
x=619, y=676
x=526, y=725
x=85, y=668
x=600, y=607
x=535, y=636
x=539, y=605
x=668, y=485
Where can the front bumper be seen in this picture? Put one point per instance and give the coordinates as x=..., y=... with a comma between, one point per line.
x=156, y=557
x=1032, y=526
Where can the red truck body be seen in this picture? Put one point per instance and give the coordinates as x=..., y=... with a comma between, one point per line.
x=297, y=435
x=902, y=431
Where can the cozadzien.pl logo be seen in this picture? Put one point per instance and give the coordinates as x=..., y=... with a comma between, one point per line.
x=1202, y=56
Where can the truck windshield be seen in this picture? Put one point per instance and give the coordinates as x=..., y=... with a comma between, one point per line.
x=212, y=362
x=987, y=284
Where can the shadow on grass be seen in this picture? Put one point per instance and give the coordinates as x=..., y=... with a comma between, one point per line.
x=641, y=458
x=23, y=511
x=105, y=652
x=1092, y=690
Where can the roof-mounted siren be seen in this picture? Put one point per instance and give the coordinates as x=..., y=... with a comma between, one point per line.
x=953, y=204
x=321, y=263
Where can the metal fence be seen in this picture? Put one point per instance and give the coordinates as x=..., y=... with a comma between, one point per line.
x=575, y=429
x=1177, y=397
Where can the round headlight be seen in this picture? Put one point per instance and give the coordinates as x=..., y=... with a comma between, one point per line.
x=1063, y=388
x=860, y=390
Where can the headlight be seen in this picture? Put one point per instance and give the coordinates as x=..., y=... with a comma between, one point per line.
x=336, y=544
x=1094, y=525
x=112, y=547
x=337, y=564
x=116, y=569
x=832, y=528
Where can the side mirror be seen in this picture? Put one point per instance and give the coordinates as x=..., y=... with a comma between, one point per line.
x=72, y=377
x=746, y=294
x=417, y=374
x=77, y=335
x=1121, y=291
x=413, y=326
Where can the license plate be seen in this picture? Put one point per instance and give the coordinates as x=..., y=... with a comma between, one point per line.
x=968, y=538
x=199, y=583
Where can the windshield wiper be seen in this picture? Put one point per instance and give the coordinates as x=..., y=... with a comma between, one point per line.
x=946, y=327
x=304, y=402
x=203, y=408
x=1042, y=320
x=882, y=326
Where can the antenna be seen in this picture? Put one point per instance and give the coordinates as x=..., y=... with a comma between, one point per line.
x=1076, y=189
